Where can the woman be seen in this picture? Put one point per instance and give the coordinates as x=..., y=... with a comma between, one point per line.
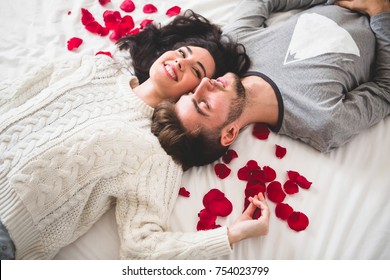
x=75, y=140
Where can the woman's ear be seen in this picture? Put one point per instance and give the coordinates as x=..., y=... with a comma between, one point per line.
x=229, y=133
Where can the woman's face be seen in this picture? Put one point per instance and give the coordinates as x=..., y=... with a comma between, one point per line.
x=179, y=71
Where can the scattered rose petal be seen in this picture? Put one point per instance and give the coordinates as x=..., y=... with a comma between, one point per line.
x=206, y=220
x=221, y=170
x=283, y=211
x=69, y=13
x=303, y=182
x=269, y=174
x=280, y=151
x=184, y=192
x=135, y=31
x=292, y=175
x=275, y=192
x=149, y=9
x=290, y=187
x=127, y=6
x=175, y=10
x=145, y=23
x=221, y=207
x=298, y=221
x=74, y=43
x=86, y=17
x=260, y=131
x=213, y=194
x=254, y=189
x=229, y=156
x=112, y=19
x=257, y=213
x=104, y=2
x=252, y=165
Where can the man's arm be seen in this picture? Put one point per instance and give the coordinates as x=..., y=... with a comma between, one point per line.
x=253, y=13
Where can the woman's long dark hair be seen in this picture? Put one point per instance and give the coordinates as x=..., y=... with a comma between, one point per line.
x=187, y=29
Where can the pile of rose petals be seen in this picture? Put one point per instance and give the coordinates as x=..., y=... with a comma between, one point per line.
x=263, y=179
x=116, y=25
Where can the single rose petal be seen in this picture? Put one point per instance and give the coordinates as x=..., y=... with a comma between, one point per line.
x=112, y=19
x=127, y=23
x=256, y=214
x=229, y=155
x=184, y=192
x=69, y=13
x=104, y=53
x=149, y=9
x=252, y=165
x=275, y=192
x=257, y=176
x=145, y=23
x=269, y=174
x=135, y=31
x=290, y=187
x=260, y=131
x=303, y=182
x=243, y=173
x=74, y=43
x=96, y=28
x=283, y=211
x=175, y=10
x=220, y=207
x=127, y=6
x=298, y=221
x=86, y=17
x=280, y=151
x=104, y=2
x=213, y=194
x=292, y=175
x=221, y=170
x=254, y=189
x=207, y=217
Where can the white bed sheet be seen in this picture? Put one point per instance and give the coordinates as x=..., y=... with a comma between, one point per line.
x=348, y=204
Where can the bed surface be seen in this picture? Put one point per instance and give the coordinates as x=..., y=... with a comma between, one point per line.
x=348, y=203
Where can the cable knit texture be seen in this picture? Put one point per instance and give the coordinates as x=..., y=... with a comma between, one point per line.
x=74, y=141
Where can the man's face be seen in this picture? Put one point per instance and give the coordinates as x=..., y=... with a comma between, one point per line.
x=210, y=104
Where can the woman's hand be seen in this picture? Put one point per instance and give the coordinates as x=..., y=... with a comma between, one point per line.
x=245, y=226
x=369, y=7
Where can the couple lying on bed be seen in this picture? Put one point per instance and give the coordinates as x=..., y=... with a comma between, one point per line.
x=76, y=138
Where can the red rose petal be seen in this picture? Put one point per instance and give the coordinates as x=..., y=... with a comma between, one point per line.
x=104, y=53
x=269, y=174
x=184, y=192
x=221, y=207
x=257, y=176
x=149, y=9
x=221, y=170
x=257, y=213
x=243, y=173
x=280, y=151
x=292, y=175
x=298, y=221
x=303, y=182
x=213, y=194
x=112, y=19
x=290, y=187
x=127, y=6
x=74, y=43
x=206, y=220
x=145, y=23
x=252, y=165
x=104, y=2
x=229, y=156
x=86, y=17
x=260, y=131
x=275, y=192
x=175, y=10
x=254, y=189
x=283, y=211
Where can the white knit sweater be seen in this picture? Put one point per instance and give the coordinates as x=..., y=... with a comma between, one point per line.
x=74, y=141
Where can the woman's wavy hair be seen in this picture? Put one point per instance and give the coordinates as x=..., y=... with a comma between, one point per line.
x=184, y=30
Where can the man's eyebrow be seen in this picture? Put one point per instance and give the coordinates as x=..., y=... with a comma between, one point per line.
x=197, y=108
x=198, y=62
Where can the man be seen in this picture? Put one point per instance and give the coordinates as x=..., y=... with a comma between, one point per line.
x=312, y=78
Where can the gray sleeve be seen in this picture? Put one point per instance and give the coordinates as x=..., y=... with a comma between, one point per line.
x=253, y=13
x=367, y=104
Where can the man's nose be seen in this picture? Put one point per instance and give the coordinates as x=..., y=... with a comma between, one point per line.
x=204, y=88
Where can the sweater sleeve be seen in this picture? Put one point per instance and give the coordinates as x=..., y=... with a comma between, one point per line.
x=254, y=13
x=14, y=92
x=142, y=217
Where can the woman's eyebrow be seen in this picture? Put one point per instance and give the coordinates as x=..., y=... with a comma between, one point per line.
x=198, y=62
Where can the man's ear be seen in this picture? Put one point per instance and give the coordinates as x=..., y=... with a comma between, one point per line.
x=229, y=133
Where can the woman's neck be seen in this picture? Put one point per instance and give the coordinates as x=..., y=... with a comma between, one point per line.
x=147, y=93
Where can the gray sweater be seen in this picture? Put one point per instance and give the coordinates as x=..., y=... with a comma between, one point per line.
x=329, y=66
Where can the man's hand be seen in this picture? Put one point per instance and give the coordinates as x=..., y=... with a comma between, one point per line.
x=245, y=226
x=369, y=7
